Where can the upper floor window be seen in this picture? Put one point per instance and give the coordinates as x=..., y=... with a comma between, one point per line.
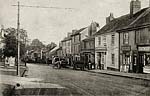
x=113, y=39
x=104, y=40
x=99, y=40
x=113, y=58
x=142, y=36
x=126, y=38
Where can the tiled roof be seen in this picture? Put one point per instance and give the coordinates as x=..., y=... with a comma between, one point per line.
x=142, y=19
x=120, y=22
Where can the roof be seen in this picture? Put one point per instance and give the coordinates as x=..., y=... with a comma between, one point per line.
x=120, y=22
x=89, y=38
x=54, y=49
x=66, y=39
x=78, y=31
x=141, y=20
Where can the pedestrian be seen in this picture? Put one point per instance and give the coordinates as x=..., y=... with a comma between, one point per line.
x=89, y=65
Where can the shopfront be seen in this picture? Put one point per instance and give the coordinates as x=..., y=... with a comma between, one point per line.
x=126, y=65
x=101, y=60
x=143, y=59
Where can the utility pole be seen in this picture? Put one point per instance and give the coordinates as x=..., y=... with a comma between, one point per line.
x=18, y=37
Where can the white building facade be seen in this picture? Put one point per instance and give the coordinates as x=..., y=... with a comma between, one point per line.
x=107, y=51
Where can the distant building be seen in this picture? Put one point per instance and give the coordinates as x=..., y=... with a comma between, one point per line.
x=66, y=46
x=76, y=44
x=2, y=32
x=88, y=43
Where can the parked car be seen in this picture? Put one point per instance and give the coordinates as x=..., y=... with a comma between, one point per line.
x=78, y=64
x=59, y=62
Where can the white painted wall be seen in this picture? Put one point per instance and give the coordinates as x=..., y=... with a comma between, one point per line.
x=111, y=49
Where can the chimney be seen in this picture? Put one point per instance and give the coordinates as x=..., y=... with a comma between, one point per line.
x=109, y=18
x=69, y=34
x=73, y=31
x=135, y=6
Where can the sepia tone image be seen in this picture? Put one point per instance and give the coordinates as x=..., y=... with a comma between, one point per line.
x=74, y=47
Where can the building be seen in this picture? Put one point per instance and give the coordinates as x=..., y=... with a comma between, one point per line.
x=76, y=44
x=2, y=32
x=88, y=43
x=66, y=46
x=135, y=42
x=59, y=52
x=107, y=44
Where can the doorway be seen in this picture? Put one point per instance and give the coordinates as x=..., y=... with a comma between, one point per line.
x=141, y=61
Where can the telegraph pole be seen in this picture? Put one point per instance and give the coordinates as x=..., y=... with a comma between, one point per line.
x=18, y=36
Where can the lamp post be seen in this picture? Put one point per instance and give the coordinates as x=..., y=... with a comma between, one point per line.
x=18, y=37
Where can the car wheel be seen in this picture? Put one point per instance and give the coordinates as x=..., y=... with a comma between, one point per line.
x=59, y=66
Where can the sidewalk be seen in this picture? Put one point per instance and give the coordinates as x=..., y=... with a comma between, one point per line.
x=11, y=70
x=145, y=77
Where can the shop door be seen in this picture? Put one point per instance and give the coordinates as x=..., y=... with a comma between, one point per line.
x=99, y=61
x=86, y=60
x=141, y=63
x=134, y=64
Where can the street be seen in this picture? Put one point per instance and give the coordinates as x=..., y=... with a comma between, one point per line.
x=82, y=83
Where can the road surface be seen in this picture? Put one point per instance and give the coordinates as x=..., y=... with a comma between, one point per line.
x=82, y=83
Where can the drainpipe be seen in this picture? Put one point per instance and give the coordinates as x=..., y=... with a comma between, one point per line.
x=119, y=53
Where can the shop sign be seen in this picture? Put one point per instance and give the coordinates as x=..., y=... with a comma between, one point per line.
x=126, y=48
x=147, y=48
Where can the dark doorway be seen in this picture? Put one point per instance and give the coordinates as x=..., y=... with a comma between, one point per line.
x=141, y=63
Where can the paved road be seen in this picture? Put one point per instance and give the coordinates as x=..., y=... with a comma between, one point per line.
x=82, y=83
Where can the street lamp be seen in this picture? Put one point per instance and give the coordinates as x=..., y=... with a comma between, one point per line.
x=18, y=37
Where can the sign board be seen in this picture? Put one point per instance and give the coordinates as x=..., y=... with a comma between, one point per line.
x=146, y=48
x=125, y=48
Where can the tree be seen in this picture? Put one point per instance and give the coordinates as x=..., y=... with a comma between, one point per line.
x=36, y=44
x=10, y=48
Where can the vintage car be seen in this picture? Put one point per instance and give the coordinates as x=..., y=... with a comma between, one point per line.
x=78, y=64
x=59, y=62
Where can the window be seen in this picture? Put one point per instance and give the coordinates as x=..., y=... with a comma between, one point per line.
x=103, y=60
x=113, y=39
x=99, y=40
x=126, y=38
x=142, y=36
x=104, y=40
x=113, y=58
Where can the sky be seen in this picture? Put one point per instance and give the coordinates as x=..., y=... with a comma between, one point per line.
x=52, y=25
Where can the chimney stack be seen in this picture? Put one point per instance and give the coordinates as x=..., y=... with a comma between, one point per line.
x=69, y=34
x=135, y=6
x=73, y=31
x=109, y=18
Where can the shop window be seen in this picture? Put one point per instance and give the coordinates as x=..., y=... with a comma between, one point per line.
x=126, y=38
x=113, y=58
x=103, y=60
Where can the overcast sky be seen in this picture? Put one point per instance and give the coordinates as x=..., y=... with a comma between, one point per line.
x=52, y=25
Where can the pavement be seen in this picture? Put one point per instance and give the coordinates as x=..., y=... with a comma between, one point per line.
x=12, y=70
x=9, y=79
x=141, y=76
